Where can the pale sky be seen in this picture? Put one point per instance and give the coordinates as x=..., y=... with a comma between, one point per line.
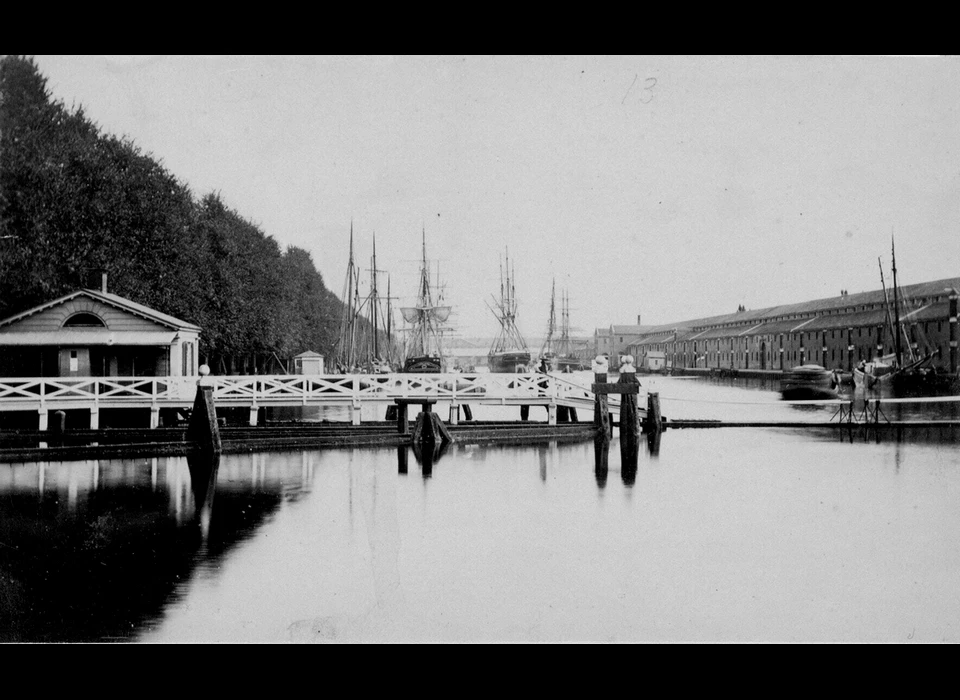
x=673, y=187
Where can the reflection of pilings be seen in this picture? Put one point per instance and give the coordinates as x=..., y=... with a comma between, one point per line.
x=402, y=459
x=653, y=442
x=629, y=453
x=427, y=454
x=204, y=466
x=601, y=455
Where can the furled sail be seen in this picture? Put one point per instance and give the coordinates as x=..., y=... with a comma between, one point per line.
x=413, y=314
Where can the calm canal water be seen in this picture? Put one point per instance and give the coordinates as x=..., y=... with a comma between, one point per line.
x=732, y=534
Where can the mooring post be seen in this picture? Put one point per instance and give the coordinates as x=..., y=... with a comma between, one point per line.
x=601, y=410
x=204, y=430
x=454, y=413
x=629, y=420
x=654, y=421
x=953, y=332
x=429, y=428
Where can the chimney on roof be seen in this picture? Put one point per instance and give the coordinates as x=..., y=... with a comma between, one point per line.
x=638, y=320
x=103, y=282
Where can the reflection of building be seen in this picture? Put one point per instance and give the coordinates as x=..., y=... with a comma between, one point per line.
x=92, y=333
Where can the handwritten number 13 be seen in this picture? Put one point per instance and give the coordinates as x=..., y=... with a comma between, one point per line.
x=648, y=85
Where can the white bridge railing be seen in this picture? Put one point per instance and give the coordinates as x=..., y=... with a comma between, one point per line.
x=293, y=389
x=32, y=390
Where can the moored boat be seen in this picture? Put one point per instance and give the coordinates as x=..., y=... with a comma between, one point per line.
x=509, y=352
x=914, y=377
x=808, y=383
x=424, y=342
x=555, y=354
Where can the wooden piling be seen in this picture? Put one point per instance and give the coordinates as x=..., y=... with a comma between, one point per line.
x=204, y=430
x=601, y=409
x=629, y=415
x=654, y=421
x=952, y=323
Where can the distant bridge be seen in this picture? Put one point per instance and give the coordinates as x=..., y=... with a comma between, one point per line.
x=45, y=394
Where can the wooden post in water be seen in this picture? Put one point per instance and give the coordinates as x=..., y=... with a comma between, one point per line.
x=654, y=422
x=429, y=429
x=204, y=431
x=953, y=332
x=601, y=410
x=629, y=417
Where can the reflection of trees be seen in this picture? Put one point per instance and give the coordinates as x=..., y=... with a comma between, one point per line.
x=96, y=555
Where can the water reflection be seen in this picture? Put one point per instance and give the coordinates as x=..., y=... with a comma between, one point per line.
x=427, y=454
x=94, y=550
x=204, y=466
x=738, y=534
x=601, y=455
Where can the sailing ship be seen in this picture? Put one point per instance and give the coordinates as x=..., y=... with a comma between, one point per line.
x=423, y=347
x=509, y=352
x=365, y=343
x=556, y=353
x=891, y=370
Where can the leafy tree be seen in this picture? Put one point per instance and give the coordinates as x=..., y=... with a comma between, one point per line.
x=74, y=201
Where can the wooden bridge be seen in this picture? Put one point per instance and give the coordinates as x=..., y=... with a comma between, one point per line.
x=352, y=392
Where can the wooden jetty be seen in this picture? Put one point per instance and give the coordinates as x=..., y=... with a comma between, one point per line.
x=613, y=404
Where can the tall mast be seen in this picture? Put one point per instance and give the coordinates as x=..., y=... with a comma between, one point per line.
x=896, y=303
x=348, y=317
x=886, y=299
x=373, y=295
x=552, y=323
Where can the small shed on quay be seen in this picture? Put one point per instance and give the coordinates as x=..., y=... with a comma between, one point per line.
x=93, y=333
x=308, y=362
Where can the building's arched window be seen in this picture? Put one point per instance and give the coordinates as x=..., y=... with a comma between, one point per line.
x=84, y=320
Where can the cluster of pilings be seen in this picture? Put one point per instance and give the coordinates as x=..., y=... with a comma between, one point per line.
x=628, y=388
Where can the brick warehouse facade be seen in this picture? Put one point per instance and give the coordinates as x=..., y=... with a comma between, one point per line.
x=836, y=332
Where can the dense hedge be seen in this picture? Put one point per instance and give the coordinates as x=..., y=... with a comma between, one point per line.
x=75, y=202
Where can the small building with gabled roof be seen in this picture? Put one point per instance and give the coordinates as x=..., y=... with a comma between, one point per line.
x=308, y=362
x=93, y=333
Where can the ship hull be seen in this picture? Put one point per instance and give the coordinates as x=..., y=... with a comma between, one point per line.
x=426, y=364
x=509, y=362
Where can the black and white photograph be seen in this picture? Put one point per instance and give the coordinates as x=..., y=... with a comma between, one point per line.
x=479, y=349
